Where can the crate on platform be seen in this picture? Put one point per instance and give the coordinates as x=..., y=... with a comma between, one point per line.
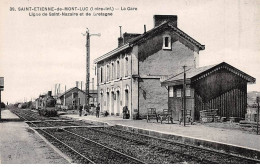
x=251, y=117
x=207, y=119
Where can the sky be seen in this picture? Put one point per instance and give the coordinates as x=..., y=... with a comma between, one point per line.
x=38, y=52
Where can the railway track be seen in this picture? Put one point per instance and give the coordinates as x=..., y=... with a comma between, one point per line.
x=80, y=148
x=157, y=146
x=136, y=148
x=204, y=154
x=31, y=116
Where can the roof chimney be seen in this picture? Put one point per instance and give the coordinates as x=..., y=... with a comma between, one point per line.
x=77, y=84
x=120, y=39
x=159, y=19
x=144, y=28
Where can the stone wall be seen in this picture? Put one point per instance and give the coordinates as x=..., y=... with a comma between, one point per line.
x=152, y=95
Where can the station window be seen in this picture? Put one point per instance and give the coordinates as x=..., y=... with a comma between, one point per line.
x=126, y=66
x=170, y=91
x=118, y=69
x=101, y=74
x=167, y=42
x=188, y=92
x=112, y=71
x=178, y=92
x=108, y=73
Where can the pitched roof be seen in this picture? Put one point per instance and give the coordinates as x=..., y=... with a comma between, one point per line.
x=142, y=37
x=90, y=91
x=67, y=91
x=198, y=73
x=173, y=27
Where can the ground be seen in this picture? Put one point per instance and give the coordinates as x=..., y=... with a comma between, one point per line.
x=231, y=126
x=21, y=145
x=226, y=133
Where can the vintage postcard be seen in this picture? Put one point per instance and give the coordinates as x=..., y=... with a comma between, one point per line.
x=129, y=82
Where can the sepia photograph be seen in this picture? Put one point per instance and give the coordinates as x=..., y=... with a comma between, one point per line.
x=129, y=82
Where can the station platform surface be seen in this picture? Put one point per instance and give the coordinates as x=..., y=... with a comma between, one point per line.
x=21, y=145
x=236, y=138
x=7, y=115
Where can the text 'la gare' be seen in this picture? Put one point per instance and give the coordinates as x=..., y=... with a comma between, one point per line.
x=128, y=8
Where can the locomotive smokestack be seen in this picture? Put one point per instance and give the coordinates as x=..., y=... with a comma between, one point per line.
x=49, y=93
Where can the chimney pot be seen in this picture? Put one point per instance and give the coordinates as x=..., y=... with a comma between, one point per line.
x=144, y=28
x=120, y=31
x=120, y=39
x=159, y=19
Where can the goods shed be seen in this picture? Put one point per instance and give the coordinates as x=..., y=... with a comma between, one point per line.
x=222, y=87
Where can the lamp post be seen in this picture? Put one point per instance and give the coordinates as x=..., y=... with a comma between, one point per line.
x=184, y=95
x=88, y=35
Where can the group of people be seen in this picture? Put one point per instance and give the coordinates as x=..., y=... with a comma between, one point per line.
x=97, y=110
x=126, y=114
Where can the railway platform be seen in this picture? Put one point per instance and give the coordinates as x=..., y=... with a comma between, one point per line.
x=6, y=115
x=20, y=145
x=199, y=134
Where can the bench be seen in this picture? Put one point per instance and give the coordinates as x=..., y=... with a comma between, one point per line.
x=151, y=114
x=166, y=115
x=208, y=115
x=188, y=119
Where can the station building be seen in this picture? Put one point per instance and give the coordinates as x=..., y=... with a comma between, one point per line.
x=74, y=97
x=131, y=74
x=221, y=87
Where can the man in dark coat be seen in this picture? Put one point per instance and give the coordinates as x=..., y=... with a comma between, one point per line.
x=125, y=112
x=97, y=110
x=80, y=110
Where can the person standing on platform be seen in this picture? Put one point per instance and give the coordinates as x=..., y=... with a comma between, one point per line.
x=98, y=110
x=80, y=110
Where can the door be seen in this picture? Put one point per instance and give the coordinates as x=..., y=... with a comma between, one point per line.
x=175, y=103
x=126, y=98
x=108, y=102
x=118, y=103
x=112, y=103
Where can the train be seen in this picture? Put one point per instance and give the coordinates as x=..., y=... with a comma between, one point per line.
x=45, y=105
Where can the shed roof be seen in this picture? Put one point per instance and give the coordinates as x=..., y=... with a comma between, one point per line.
x=194, y=74
x=142, y=37
x=69, y=90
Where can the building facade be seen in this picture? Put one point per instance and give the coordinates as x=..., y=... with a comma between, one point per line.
x=131, y=74
x=74, y=97
x=221, y=87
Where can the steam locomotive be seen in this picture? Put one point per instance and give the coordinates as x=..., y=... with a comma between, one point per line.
x=46, y=105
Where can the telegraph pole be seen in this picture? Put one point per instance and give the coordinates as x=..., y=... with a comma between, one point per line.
x=1, y=89
x=88, y=67
x=0, y=103
x=257, y=124
x=65, y=96
x=184, y=95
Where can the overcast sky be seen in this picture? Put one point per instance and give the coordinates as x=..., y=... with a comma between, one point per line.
x=38, y=52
